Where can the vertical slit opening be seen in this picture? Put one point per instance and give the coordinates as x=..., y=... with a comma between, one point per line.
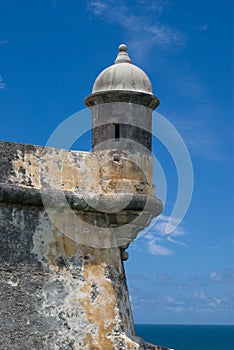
x=117, y=131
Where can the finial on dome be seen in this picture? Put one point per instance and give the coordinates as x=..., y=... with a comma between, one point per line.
x=122, y=56
x=123, y=47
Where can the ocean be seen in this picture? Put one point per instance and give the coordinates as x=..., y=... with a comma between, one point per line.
x=188, y=337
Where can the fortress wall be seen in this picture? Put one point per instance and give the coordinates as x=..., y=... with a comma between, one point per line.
x=62, y=280
x=37, y=166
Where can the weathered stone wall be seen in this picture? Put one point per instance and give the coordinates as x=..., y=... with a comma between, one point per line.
x=62, y=280
x=36, y=166
x=56, y=294
x=108, y=189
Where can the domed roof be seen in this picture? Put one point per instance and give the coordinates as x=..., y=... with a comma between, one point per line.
x=123, y=75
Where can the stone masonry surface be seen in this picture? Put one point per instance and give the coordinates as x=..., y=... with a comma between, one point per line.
x=62, y=279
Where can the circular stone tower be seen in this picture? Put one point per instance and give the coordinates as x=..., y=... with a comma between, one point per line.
x=122, y=103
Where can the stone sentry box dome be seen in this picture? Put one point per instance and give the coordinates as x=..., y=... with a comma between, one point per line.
x=122, y=103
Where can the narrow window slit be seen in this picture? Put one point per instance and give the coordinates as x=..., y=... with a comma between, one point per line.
x=117, y=131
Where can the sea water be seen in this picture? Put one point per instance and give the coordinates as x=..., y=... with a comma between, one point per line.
x=188, y=337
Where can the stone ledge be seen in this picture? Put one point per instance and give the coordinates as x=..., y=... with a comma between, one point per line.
x=140, y=98
x=25, y=195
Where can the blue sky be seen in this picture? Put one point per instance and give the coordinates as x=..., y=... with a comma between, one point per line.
x=50, y=54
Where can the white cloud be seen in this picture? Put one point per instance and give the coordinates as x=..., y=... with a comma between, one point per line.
x=169, y=300
x=176, y=309
x=202, y=302
x=158, y=227
x=2, y=84
x=172, y=240
x=213, y=247
x=143, y=27
x=161, y=225
x=215, y=302
x=165, y=35
x=156, y=232
x=225, y=276
x=97, y=7
x=156, y=5
x=199, y=295
x=215, y=276
x=156, y=249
